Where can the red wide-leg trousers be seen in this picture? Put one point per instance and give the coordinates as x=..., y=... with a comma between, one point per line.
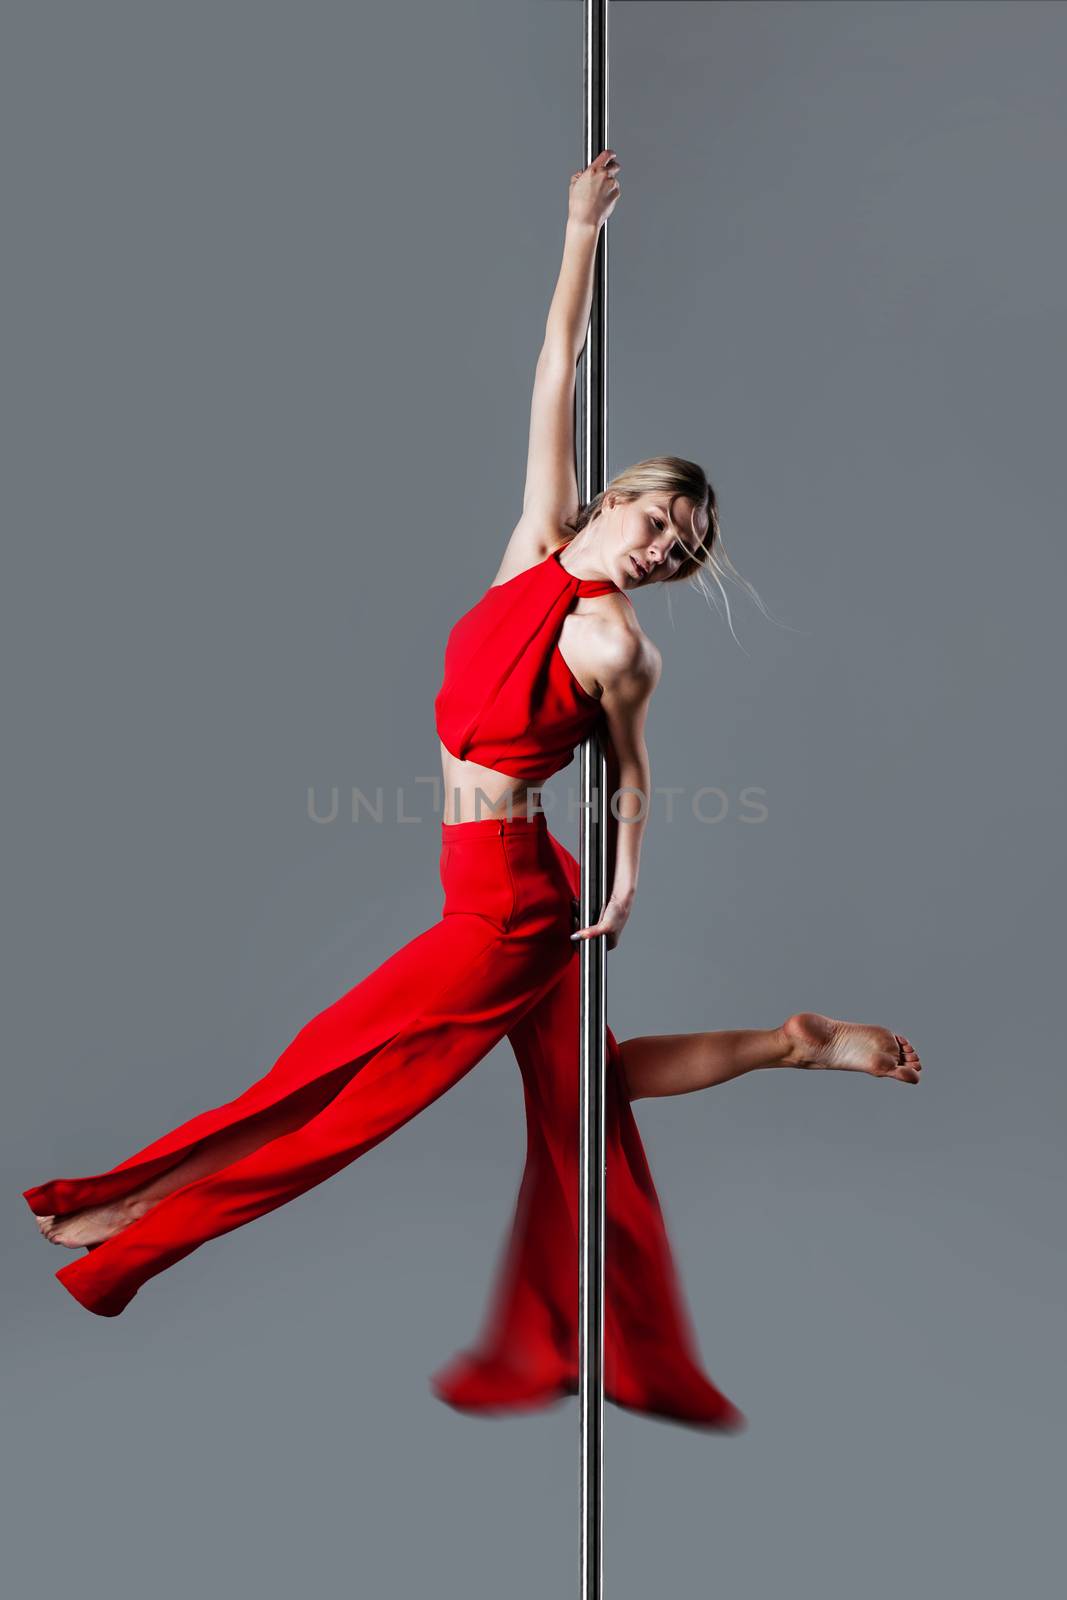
x=499, y=962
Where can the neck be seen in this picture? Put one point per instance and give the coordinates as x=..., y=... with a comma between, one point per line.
x=581, y=556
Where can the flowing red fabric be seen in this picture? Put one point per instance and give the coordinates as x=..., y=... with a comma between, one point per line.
x=499, y=963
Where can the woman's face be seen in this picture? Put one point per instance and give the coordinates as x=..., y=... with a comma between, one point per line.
x=648, y=538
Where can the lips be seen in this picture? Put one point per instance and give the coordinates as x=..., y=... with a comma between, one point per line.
x=638, y=568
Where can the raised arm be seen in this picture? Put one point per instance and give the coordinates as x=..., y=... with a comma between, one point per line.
x=550, y=497
x=629, y=680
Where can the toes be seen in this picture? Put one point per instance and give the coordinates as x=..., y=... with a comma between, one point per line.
x=909, y=1056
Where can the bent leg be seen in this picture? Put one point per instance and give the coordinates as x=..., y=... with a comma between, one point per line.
x=679, y=1063
x=527, y=1351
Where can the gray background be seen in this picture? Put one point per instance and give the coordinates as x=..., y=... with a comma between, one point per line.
x=276, y=278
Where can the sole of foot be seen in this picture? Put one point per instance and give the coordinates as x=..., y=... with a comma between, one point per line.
x=828, y=1044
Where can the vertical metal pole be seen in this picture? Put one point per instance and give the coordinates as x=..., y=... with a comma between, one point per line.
x=593, y=864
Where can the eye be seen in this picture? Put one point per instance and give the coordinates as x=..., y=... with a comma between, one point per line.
x=678, y=550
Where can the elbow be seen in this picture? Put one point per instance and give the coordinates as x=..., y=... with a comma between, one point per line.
x=560, y=351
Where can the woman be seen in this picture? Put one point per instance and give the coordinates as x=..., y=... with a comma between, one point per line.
x=552, y=648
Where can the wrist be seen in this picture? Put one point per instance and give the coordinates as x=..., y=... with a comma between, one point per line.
x=624, y=897
x=581, y=227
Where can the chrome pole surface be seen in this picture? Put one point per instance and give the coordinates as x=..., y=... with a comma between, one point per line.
x=593, y=865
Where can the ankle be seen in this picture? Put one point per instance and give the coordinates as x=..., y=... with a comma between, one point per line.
x=790, y=1045
x=134, y=1207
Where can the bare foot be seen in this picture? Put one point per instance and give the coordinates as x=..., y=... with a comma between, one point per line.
x=818, y=1041
x=81, y=1230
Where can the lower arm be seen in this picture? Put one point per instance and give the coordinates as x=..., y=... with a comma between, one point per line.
x=568, y=315
x=630, y=801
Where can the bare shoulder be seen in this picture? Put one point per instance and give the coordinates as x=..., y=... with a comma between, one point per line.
x=624, y=659
x=609, y=642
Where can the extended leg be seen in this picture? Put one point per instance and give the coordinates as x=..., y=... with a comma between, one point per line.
x=527, y=1352
x=93, y=1224
x=355, y=1073
x=678, y=1063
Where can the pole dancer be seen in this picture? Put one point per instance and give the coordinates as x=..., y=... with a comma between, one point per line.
x=551, y=650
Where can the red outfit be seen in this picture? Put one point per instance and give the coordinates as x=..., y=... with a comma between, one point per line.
x=499, y=962
x=509, y=701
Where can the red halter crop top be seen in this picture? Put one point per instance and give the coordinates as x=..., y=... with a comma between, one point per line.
x=509, y=701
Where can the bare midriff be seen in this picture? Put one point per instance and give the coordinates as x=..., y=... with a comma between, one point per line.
x=473, y=793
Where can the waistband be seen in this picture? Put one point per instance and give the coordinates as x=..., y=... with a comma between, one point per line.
x=492, y=827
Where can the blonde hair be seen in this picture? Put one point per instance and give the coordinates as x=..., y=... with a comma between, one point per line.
x=675, y=477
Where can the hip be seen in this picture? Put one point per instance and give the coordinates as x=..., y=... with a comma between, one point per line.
x=510, y=871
